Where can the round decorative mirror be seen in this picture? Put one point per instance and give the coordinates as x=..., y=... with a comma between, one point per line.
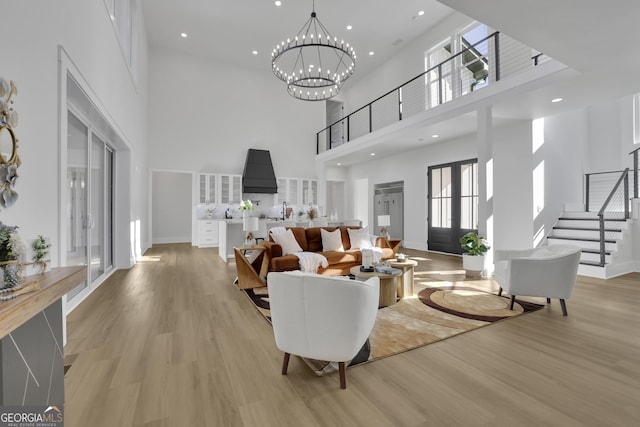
x=8, y=145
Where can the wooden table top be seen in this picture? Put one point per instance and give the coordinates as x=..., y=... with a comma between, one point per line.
x=53, y=285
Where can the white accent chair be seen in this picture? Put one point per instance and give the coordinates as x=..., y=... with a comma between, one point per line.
x=321, y=317
x=547, y=271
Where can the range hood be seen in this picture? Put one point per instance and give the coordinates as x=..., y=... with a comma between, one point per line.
x=258, y=175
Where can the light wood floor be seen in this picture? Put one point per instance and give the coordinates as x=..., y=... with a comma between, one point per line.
x=172, y=342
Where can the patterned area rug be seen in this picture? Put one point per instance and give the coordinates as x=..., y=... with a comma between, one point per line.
x=436, y=314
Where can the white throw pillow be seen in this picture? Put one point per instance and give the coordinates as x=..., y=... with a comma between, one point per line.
x=359, y=238
x=287, y=241
x=331, y=240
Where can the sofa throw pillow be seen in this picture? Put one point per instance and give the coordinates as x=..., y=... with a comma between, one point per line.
x=288, y=242
x=331, y=240
x=359, y=238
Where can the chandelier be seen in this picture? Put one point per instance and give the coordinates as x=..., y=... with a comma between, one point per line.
x=313, y=64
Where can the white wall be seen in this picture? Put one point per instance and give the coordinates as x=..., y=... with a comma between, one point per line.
x=512, y=186
x=85, y=31
x=204, y=115
x=171, y=206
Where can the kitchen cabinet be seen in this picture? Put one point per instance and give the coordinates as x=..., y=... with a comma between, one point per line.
x=230, y=189
x=208, y=233
x=207, y=191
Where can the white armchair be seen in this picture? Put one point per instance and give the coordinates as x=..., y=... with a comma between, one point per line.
x=321, y=317
x=547, y=271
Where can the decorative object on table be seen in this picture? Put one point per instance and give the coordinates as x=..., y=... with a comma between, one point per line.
x=10, y=293
x=314, y=64
x=208, y=212
x=474, y=248
x=40, y=248
x=401, y=257
x=311, y=214
x=9, y=159
x=384, y=221
x=11, y=250
x=250, y=224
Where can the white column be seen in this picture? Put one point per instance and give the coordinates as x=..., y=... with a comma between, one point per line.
x=485, y=179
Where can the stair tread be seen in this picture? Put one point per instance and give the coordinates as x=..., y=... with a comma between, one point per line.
x=559, y=227
x=594, y=264
x=591, y=219
x=580, y=239
x=593, y=251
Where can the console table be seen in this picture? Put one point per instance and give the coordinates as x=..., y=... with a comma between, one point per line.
x=31, y=348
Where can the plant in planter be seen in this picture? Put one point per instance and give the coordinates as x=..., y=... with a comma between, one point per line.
x=474, y=248
x=40, y=248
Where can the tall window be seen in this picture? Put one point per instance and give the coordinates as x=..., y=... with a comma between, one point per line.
x=457, y=76
x=469, y=196
x=124, y=14
x=441, y=195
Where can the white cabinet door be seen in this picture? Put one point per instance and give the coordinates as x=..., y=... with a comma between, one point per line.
x=288, y=191
x=230, y=189
x=207, y=233
x=309, y=191
x=207, y=188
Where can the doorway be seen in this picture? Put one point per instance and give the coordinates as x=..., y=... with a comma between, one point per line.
x=453, y=204
x=388, y=199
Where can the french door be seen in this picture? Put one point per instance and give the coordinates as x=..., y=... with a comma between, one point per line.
x=453, y=204
x=89, y=233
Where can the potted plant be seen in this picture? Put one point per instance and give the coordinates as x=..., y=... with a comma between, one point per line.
x=474, y=247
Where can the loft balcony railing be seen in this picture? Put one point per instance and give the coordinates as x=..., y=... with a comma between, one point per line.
x=487, y=61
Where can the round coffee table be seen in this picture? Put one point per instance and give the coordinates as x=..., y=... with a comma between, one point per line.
x=405, y=281
x=388, y=284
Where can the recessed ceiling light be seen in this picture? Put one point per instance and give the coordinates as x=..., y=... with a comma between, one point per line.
x=371, y=53
x=278, y=3
x=554, y=100
x=339, y=164
x=113, y=18
x=372, y=154
x=349, y=27
x=420, y=13
x=255, y=52
x=435, y=135
x=183, y=35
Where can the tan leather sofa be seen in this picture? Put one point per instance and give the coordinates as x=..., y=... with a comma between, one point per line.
x=310, y=240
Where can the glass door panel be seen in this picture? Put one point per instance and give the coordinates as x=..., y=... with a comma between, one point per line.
x=77, y=219
x=97, y=210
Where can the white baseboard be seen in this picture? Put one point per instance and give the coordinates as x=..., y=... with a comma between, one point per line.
x=179, y=239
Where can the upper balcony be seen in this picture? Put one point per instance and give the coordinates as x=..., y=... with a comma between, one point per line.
x=480, y=74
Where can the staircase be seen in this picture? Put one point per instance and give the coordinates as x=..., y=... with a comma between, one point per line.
x=582, y=229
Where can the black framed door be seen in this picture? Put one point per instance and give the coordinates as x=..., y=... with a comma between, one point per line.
x=453, y=204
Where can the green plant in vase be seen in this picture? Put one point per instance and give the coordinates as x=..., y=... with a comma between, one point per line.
x=474, y=248
x=40, y=248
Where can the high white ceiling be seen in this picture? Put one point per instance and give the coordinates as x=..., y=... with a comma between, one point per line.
x=231, y=30
x=598, y=39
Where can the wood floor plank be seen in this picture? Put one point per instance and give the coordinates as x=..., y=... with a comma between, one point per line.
x=171, y=342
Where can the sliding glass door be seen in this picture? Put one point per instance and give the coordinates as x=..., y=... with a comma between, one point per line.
x=89, y=201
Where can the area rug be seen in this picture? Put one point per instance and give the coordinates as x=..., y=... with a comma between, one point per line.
x=436, y=314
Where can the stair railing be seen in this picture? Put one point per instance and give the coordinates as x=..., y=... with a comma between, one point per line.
x=616, y=206
x=636, y=183
x=464, y=72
